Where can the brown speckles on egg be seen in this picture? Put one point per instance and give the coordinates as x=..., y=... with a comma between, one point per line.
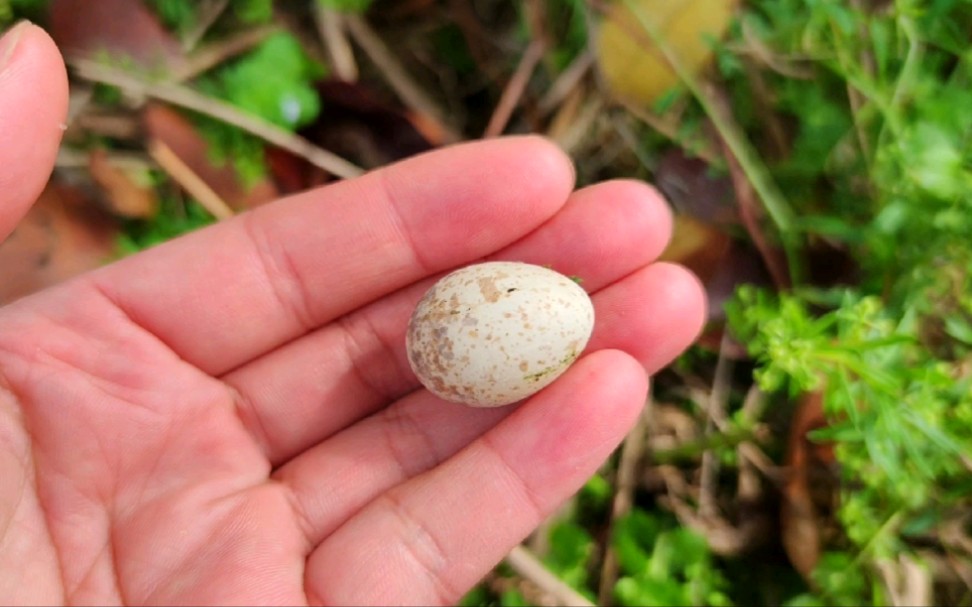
x=494, y=333
x=487, y=288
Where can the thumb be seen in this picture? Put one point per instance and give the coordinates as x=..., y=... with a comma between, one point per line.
x=33, y=105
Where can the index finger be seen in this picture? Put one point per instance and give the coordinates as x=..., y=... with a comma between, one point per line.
x=226, y=294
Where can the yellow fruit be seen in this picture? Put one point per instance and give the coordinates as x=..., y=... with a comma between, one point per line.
x=633, y=66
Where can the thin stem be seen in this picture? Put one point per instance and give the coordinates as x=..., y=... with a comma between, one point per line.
x=397, y=77
x=775, y=204
x=220, y=110
x=692, y=450
x=530, y=567
x=625, y=484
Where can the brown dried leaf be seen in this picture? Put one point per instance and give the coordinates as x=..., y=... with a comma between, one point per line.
x=697, y=245
x=124, y=195
x=809, y=488
x=178, y=133
x=695, y=189
x=121, y=28
x=60, y=237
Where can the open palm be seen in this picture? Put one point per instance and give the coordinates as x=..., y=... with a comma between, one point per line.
x=230, y=418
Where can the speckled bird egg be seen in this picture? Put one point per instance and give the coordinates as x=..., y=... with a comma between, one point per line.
x=494, y=333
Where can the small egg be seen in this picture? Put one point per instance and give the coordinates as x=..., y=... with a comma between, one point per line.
x=494, y=333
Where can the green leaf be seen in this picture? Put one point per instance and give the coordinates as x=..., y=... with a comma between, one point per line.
x=253, y=11
x=274, y=82
x=571, y=549
x=346, y=6
x=513, y=598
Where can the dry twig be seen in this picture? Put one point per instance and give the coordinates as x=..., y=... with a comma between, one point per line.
x=907, y=581
x=668, y=127
x=571, y=125
x=529, y=567
x=214, y=54
x=331, y=27
x=751, y=211
x=187, y=178
x=625, y=483
x=187, y=98
x=398, y=78
x=206, y=15
x=566, y=82
x=716, y=413
x=68, y=158
x=514, y=90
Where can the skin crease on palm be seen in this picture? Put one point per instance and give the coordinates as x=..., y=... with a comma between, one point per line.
x=229, y=417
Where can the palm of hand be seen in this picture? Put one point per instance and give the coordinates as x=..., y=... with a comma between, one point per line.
x=229, y=418
x=141, y=485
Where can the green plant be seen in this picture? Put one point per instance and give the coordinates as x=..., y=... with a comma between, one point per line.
x=901, y=418
x=665, y=564
x=890, y=354
x=881, y=167
x=274, y=81
x=174, y=218
x=346, y=6
x=183, y=15
x=20, y=9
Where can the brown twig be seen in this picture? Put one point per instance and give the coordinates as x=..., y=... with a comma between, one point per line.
x=626, y=481
x=566, y=82
x=751, y=412
x=566, y=115
x=332, y=29
x=398, y=78
x=568, y=131
x=539, y=540
x=529, y=567
x=632, y=141
x=214, y=54
x=68, y=158
x=191, y=100
x=907, y=582
x=514, y=90
x=855, y=97
x=180, y=172
x=716, y=418
x=750, y=208
x=206, y=16
x=669, y=128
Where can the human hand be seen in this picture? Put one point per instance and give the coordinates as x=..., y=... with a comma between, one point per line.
x=230, y=418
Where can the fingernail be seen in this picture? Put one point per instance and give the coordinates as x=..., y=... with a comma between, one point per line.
x=8, y=44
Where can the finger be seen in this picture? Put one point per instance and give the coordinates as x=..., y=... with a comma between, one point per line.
x=359, y=364
x=223, y=295
x=420, y=431
x=439, y=533
x=33, y=106
x=653, y=314
x=408, y=438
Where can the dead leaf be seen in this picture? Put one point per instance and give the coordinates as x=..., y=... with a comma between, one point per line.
x=698, y=246
x=180, y=135
x=810, y=487
x=633, y=67
x=696, y=189
x=120, y=28
x=125, y=196
x=61, y=236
